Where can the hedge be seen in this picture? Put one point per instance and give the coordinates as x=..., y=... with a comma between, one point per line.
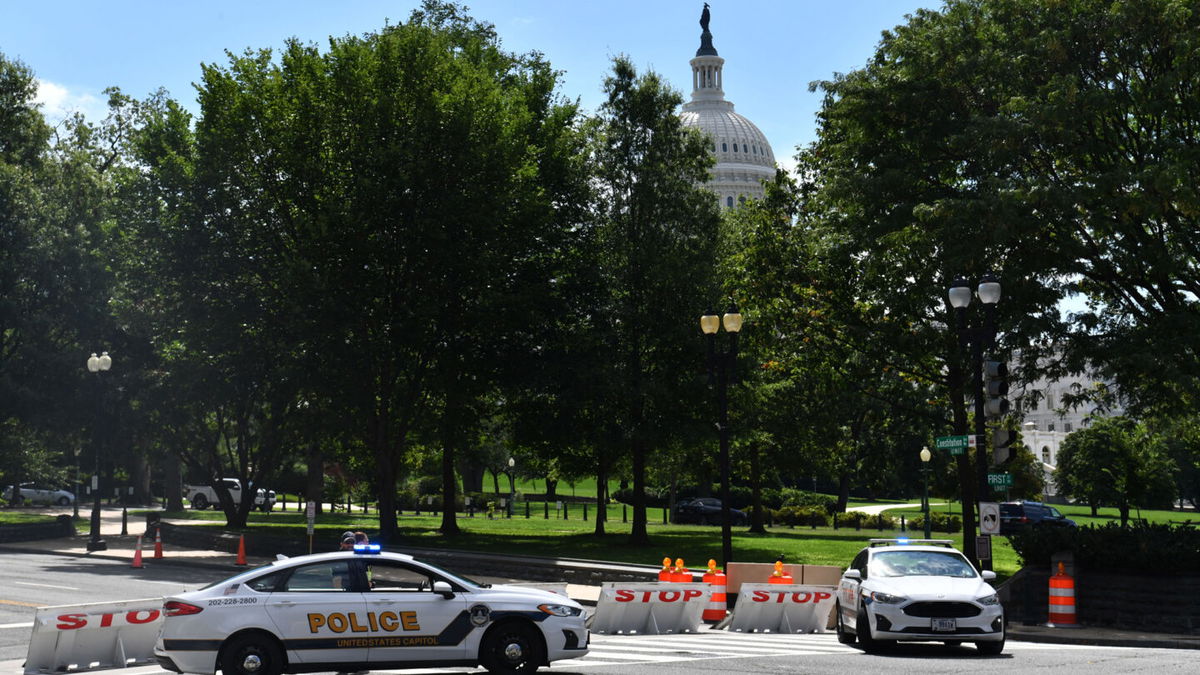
x=1141, y=548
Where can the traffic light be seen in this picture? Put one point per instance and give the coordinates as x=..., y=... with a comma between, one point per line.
x=995, y=388
x=1001, y=440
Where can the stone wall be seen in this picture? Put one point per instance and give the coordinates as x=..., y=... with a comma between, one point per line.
x=1134, y=602
x=61, y=527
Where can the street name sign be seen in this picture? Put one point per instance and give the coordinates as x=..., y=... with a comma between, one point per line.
x=1000, y=480
x=955, y=444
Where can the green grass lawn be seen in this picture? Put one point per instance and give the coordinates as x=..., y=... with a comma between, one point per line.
x=575, y=538
x=20, y=517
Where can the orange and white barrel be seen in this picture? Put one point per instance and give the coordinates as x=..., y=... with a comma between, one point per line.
x=1062, y=600
x=714, y=611
x=682, y=574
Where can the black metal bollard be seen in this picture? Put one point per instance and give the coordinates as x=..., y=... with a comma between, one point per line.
x=124, y=520
x=903, y=524
x=566, y=510
x=546, y=510
x=526, y=510
x=664, y=515
x=770, y=518
x=835, y=523
x=880, y=521
x=365, y=510
x=470, y=511
x=624, y=513
x=585, y=511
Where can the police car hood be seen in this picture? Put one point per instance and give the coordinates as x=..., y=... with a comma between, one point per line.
x=530, y=592
x=933, y=588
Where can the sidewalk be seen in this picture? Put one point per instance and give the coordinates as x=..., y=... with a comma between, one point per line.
x=121, y=547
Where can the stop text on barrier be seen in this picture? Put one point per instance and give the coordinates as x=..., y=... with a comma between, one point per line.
x=73, y=621
x=799, y=597
x=625, y=595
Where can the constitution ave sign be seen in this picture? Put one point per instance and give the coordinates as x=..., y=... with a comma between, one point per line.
x=955, y=444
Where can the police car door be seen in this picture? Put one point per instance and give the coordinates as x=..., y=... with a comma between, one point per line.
x=319, y=614
x=411, y=623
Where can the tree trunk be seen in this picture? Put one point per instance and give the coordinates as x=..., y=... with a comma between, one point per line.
x=551, y=490
x=495, y=483
x=172, y=485
x=601, y=493
x=756, y=517
x=638, y=535
x=449, y=493
x=843, y=491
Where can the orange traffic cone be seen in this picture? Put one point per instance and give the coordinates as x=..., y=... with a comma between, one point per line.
x=241, y=559
x=137, y=555
x=158, y=542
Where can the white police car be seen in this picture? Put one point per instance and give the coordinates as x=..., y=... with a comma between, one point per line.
x=917, y=590
x=364, y=610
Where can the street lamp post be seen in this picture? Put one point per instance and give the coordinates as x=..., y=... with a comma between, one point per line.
x=512, y=487
x=720, y=365
x=97, y=365
x=925, y=456
x=979, y=337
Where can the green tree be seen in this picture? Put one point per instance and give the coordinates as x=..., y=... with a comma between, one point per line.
x=1116, y=462
x=657, y=230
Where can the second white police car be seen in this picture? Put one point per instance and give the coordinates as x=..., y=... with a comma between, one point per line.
x=917, y=590
x=364, y=610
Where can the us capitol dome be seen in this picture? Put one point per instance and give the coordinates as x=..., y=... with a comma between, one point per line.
x=744, y=157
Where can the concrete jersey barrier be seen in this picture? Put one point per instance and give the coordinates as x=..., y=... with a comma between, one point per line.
x=654, y=608
x=782, y=608
x=94, y=636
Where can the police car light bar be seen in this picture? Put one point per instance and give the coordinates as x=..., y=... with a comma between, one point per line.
x=904, y=542
x=367, y=549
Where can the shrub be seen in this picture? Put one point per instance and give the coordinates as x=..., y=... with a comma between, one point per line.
x=938, y=522
x=801, y=515
x=1140, y=548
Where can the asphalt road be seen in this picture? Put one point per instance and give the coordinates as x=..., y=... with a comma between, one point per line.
x=31, y=580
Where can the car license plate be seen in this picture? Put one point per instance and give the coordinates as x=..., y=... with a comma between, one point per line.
x=944, y=625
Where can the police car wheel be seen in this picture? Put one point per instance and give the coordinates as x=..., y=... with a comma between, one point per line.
x=843, y=636
x=862, y=629
x=252, y=654
x=511, y=648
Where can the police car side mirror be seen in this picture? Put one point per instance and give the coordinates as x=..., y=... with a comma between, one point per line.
x=852, y=574
x=989, y=575
x=443, y=589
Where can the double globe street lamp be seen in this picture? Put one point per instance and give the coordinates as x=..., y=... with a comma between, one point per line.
x=97, y=365
x=979, y=337
x=720, y=368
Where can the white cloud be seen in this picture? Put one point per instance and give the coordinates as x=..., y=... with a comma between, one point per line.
x=58, y=102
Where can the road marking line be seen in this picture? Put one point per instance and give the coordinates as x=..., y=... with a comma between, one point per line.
x=27, y=624
x=18, y=603
x=62, y=588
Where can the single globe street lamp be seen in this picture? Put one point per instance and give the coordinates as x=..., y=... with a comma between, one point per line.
x=720, y=367
x=512, y=487
x=925, y=457
x=97, y=365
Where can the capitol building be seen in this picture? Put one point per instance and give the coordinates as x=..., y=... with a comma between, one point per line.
x=744, y=157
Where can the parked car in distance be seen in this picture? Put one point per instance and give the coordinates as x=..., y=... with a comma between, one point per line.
x=1019, y=514
x=706, y=511
x=33, y=493
x=205, y=496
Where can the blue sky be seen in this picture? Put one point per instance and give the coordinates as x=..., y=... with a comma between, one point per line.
x=772, y=49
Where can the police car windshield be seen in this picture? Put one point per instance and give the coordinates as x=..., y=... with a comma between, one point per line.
x=898, y=563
